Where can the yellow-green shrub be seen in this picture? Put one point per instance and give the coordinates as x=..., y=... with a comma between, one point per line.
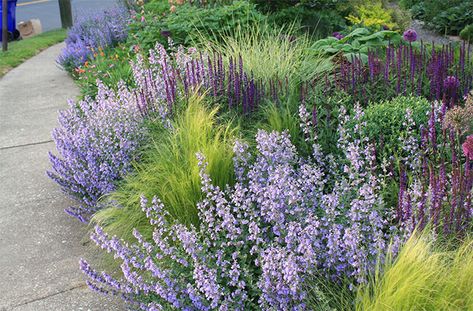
x=372, y=14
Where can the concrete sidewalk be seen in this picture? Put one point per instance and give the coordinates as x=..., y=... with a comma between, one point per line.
x=40, y=245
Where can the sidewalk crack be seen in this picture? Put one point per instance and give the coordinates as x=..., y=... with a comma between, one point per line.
x=48, y=296
x=27, y=145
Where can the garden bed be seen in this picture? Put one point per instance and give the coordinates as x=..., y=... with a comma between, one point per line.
x=230, y=162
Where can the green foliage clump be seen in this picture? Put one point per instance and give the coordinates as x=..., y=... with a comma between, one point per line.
x=467, y=33
x=319, y=23
x=276, y=5
x=169, y=171
x=445, y=17
x=357, y=43
x=453, y=19
x=189, y=23
x=422, y=277
x=385, y=121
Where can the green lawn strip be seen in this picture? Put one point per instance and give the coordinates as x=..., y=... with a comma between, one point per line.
x=19, y=51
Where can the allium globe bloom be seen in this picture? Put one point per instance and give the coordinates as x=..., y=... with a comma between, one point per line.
x=468, y=147
x=338, y=35
x=451, y=83
x=410, y=35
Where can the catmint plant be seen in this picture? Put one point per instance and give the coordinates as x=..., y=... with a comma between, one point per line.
x=96, y=141
x=286, y=217
x=91, y=32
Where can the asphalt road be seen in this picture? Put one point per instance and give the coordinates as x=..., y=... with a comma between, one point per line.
x=47, y=11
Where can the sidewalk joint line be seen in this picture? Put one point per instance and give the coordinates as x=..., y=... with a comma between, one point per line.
x=27, y=145
x=48, y=296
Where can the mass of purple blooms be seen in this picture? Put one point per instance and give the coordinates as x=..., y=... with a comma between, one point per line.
x=97, y=139
x=258, y=240
x=91, y=31
x=187, y=71
x=438, y=191
x=436, y=73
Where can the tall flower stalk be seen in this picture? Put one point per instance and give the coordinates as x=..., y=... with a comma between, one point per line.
x=436, y=73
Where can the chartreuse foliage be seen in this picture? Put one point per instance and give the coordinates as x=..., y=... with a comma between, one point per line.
x=422, y=277
x=169, y=170
x=286, y=56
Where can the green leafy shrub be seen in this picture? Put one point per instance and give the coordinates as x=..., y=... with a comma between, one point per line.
x=422, y=277
x=418, y=11
x=467, y=33
x=407, y=4
x=320, y=23
x=276, y=5
x=453, y=19
x=190, y=23
x=169, y=170
x=357, y=43
x=385, y=121
x=445, y=17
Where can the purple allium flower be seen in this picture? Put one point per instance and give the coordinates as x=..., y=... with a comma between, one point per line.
x=338, y=35
x=410, y=35
x=467, y=147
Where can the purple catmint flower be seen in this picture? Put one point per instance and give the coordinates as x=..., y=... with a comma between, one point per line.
x=410, y=35
x=259, y=239
x=93, y=31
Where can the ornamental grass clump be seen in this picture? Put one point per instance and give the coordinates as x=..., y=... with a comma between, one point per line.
x=289, y=54
x=257, y=240
x=168, y=169
x=424, y=276
x=91, y=33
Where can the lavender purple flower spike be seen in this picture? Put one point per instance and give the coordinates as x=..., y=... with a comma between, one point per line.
x=436, y=73
x=260, y=239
